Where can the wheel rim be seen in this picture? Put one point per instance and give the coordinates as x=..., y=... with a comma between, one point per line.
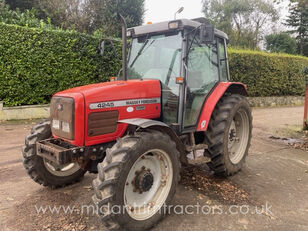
x=141, y=203
x=61, y=170
x=238, y=136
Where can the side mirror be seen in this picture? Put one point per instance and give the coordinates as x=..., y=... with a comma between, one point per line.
x=207, y=33
x=102, y=47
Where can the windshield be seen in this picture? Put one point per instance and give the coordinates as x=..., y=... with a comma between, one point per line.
x=156, y=57
x=159, y=57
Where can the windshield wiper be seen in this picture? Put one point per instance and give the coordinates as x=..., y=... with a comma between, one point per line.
x=139, y=52
x=195, y=31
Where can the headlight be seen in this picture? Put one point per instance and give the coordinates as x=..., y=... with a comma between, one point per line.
x=174, y=25
x=130, y=33
x=56, y=124
x=66, y=127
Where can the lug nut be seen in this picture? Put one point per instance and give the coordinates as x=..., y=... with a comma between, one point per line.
x=151, y=204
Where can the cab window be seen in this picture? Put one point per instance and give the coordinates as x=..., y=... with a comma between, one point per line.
x=223, y=60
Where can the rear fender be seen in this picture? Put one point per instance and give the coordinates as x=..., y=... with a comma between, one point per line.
x=212, y=100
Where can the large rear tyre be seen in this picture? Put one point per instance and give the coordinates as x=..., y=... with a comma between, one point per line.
x=136, y=180
x=43, y=171
x=229, y=134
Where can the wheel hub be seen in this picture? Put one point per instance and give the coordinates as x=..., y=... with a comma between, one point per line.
x=232, y=135
x=144, y=181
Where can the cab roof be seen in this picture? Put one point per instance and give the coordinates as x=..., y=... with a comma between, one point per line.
x=164, y=27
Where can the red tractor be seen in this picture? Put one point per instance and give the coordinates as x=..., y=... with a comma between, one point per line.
x=174, y=98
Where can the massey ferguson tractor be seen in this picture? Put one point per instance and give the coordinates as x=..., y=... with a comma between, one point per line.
x=173, y=98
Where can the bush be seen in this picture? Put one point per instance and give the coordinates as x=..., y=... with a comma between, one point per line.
x=268, y=74
x=27, y=18
x=37, y=63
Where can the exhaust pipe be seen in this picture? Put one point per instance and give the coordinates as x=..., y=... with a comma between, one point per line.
x=124, y=45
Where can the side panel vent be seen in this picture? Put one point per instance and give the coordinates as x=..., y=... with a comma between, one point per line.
x=100, y=123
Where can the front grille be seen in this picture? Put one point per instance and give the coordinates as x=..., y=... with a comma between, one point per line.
x=62, y=109
x=100, y=123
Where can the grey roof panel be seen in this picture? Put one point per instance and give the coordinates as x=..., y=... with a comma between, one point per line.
x=164, y=26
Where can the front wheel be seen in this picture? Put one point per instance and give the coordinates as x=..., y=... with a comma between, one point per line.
x=43, y=171
x=229, y=134
x=137, y=178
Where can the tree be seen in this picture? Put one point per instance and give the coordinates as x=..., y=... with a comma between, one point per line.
x=22, y=5
x=298, y=20
x=91, y=15
x=103, y=14
x=243, y=20
x=66, y=14
x=281, y=43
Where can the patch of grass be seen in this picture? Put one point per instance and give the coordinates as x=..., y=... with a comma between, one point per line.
x=16, y=122
x=292, y=131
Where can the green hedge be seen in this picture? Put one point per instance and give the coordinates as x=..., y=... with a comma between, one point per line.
x=268, y=74
x=36, y=63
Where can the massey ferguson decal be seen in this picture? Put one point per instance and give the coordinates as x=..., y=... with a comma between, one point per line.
x=123, y=103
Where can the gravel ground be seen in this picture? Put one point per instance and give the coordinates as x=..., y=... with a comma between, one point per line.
x=274, y=181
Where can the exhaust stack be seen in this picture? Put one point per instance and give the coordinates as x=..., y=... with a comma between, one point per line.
x=124, y=45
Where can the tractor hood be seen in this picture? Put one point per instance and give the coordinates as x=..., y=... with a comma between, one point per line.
x=97, y=108
x=116, y=90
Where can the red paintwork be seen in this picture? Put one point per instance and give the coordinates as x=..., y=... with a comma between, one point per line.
x=111, y=91
x=211, y=102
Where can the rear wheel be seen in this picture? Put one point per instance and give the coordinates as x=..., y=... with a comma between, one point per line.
x=229, y=135
x=137, y=178
x=43, y=171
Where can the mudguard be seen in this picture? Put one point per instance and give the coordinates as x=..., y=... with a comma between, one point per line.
x=160, y=126
x=214, y=97
x=143, y=123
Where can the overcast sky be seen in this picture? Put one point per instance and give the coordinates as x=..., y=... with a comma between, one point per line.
x=163, y=10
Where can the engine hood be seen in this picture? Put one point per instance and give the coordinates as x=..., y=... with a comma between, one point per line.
x=117, y=90
x=99, y=106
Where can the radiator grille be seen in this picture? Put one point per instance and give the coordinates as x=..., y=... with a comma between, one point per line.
x=100, y=123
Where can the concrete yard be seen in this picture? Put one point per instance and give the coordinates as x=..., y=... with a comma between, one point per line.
x=275, y=177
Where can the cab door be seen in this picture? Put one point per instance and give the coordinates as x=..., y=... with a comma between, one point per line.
x=201, y=76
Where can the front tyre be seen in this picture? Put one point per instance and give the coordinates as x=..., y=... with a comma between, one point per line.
x=229, y=135
x=43, y=171
x=137, y=178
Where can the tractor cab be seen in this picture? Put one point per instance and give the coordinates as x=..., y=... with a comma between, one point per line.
x=188, y=57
